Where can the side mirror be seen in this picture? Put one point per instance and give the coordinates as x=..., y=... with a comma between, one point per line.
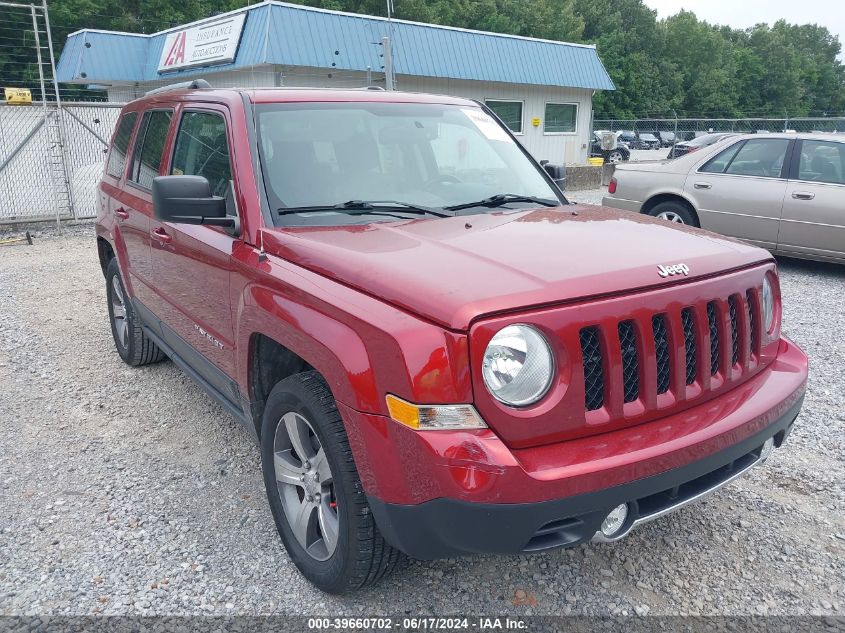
x=557, y=173
x=188, y=200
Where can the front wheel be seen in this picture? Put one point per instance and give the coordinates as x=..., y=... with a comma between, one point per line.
x=315, y=494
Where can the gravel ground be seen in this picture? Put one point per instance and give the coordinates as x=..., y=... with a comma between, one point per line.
x=126, y=491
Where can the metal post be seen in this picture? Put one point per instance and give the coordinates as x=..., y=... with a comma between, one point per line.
x=44, y=109
x=675, y=138
x=59, y=117
x=50, y=49
x=388, y=64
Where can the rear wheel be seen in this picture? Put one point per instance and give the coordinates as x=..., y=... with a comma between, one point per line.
x=615, y=156
x=315, y=494
x=675, y=212
x=133, y=346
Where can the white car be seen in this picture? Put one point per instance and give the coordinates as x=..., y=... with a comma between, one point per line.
x=784, y=192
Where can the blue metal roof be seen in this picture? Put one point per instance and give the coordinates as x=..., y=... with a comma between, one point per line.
x=293, y=35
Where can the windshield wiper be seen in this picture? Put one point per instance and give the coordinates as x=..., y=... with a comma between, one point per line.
x=363, y=207
x=503, y=198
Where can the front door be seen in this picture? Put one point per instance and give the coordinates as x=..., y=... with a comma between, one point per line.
x=740, y=191
x=192, y=263
x=813, y=221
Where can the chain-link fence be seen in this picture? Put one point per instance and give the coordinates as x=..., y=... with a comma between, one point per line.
x=88, y=128
x=686, y=129
x=26, y=190
x=39, y=168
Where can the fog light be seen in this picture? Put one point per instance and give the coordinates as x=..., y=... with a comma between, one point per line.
x=768, y=447
x=615, y=521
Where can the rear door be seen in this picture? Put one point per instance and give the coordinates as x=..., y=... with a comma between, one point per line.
x=134, y=205
x=813, y=221
x=192, y=263
x=740, y=191
x=130, y=226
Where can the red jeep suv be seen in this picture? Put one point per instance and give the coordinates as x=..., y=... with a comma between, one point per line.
x=435, y=351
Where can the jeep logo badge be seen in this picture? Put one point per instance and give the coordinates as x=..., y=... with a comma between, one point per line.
x=674, y=269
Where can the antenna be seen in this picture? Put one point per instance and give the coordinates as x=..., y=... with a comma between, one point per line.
x=262, y=256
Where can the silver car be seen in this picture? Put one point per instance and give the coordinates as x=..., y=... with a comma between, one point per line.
x=784, y=192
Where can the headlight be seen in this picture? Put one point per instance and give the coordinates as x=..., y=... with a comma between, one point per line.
x=518, y=366
x=768, y=304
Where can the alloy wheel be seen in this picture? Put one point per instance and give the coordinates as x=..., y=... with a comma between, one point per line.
x=671, y=216
x=614, y=157
x=306, y=486
x=118, y=307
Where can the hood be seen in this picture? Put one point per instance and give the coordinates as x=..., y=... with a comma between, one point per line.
x=453, y=270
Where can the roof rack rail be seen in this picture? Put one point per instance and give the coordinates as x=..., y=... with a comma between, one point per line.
x=196, y=84
x=372, y=88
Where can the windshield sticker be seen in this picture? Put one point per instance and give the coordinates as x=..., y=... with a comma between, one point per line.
x=486, y=125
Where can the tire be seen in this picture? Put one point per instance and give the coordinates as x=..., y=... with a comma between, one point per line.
x=674, y=211
x=615, y=156
x=131, y=343
x=358, y=555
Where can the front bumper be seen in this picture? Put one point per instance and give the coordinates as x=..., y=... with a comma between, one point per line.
x=443, y=528
x=443, y=493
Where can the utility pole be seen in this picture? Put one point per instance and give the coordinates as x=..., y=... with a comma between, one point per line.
x=389, y=82
x=388, y=64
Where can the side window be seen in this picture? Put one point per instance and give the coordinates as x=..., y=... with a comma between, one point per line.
x=763, y=157
x=120, y=145
x=202, y=149
x=822, y=161
x=146, y=162
x=718, y=164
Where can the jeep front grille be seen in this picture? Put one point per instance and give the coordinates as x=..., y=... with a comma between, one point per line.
x=593, y=368
x=661, y=351
x=734, y=332
x=730, y=337
x=688, y=320
x=714, y=337
x=630, y=361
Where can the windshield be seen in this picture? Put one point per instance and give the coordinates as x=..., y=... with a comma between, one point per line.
x=319, y=157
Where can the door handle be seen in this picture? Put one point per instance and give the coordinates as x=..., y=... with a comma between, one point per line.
x=702, y=185
x=121, y=214
x=803, y=195
x=161, y=236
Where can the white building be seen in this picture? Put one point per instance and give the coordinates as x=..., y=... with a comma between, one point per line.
x=542, y=89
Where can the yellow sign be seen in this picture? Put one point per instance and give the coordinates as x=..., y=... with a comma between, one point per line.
x=18, y=96
x=535, y=121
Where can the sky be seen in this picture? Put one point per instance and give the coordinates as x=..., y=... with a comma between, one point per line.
x=745, y=13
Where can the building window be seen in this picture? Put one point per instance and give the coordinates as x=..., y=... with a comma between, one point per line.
x=561, y=118
x=510, y=112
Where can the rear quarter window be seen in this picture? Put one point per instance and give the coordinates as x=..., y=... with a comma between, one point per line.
x=120, y=145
